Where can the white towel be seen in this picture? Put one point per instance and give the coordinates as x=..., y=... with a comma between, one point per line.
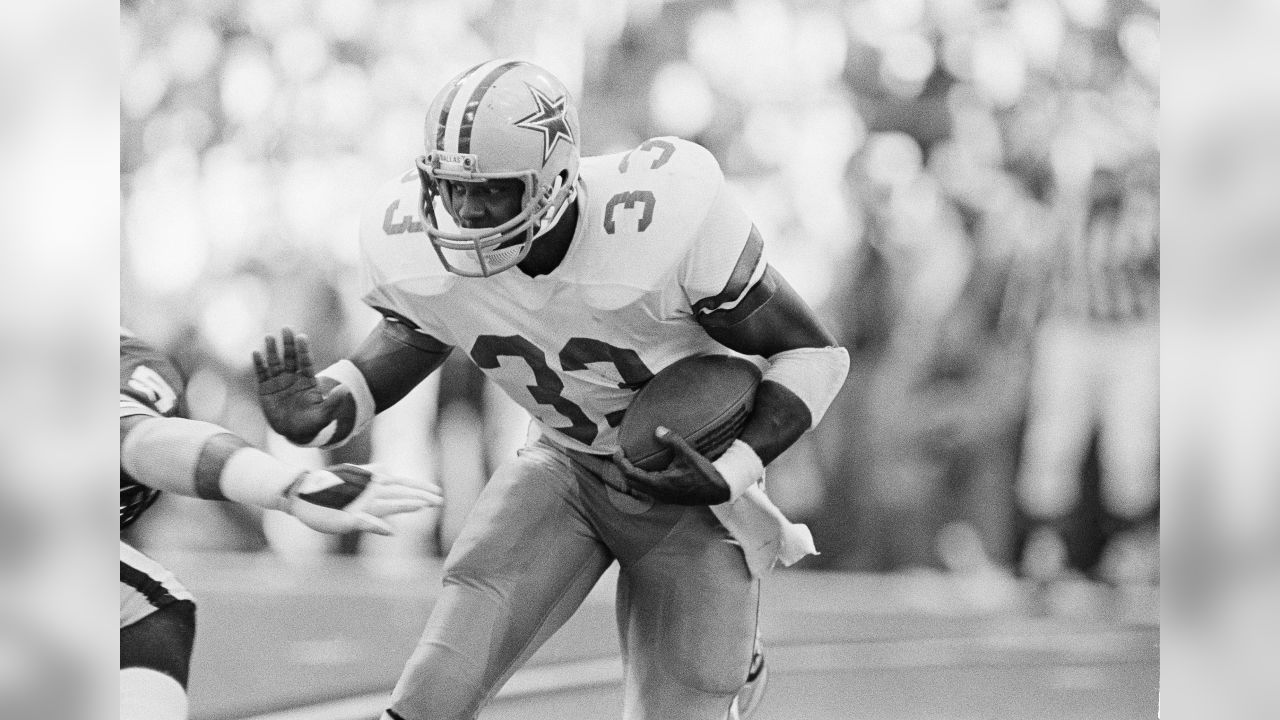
x=765, y=534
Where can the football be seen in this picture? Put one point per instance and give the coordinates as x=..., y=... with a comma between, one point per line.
x=705, y=399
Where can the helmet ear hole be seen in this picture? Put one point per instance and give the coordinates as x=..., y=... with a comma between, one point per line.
x=562, y=179
x=558, y=181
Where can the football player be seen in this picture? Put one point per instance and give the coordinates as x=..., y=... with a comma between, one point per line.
x=161, y=450
x=570, y=281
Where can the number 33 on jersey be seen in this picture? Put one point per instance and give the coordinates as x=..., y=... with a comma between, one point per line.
x=659, y=241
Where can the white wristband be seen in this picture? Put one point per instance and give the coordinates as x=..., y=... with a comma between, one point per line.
x=815, y=375
x=349, y=376
x=324, y=438
x=740, y=467
x=254, y=477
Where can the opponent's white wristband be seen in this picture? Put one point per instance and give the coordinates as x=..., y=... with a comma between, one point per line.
x=348, y=375
x=172, y=453
x=148, y=694
x=253, y=477
x=740, y=467
x=201, y=459
x=815, y=375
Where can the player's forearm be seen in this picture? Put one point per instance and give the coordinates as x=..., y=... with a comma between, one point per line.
x=777, y=420
x=394, y=359
x=806, y=366
x=794, y=394
x=200, y=459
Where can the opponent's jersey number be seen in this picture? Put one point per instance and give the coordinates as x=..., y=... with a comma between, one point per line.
x=548, y=387
x=150, y=384
x=152, y=387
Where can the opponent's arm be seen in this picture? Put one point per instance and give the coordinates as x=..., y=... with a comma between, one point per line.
x=327, y=409
x=204, y=460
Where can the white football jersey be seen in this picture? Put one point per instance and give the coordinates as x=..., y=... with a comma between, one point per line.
x=659, y=239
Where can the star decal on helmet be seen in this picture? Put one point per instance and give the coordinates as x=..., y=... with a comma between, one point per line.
x=549, y=119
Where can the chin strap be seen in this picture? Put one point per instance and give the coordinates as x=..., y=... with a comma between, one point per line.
x=553, y=219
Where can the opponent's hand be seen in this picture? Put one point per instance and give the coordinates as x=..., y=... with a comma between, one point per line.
x=343, y=498
x=291, y=399
x=690, y=479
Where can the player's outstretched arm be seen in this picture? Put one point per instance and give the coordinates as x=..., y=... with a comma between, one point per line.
x=326, y=409
x=292, y=398
x=200, y=459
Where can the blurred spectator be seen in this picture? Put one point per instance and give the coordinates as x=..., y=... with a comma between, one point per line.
x=1096, y=371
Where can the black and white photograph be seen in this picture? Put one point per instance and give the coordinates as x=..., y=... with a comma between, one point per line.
x=641, y=359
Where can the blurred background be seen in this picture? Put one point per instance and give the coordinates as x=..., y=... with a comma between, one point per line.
x=967, y=190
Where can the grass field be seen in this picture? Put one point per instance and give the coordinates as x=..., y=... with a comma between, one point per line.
x=326, y=639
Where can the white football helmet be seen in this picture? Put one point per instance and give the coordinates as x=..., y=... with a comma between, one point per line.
x=500, y=119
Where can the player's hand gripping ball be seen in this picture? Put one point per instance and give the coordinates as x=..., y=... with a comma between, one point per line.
x=682, y=420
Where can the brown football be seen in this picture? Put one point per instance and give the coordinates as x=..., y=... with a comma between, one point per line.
x=706, y=399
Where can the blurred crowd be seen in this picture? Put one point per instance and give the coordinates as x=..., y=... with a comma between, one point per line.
x=966, y=189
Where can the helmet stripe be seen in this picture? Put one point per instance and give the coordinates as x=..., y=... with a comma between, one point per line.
x=444, y=112
x=469, y=115
x=447, y=110
x=453, y=109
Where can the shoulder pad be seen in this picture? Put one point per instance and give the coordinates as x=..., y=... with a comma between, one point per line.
x=150, y=377
x=135, y=350
x=396, y=254
x=645, y=210
x=673, y=156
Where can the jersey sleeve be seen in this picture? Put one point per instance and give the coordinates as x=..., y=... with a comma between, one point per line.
x=150, y=384
x=725, y=258
x=397, y=260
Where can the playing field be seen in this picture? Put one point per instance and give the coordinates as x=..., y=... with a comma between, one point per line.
x=325, y=640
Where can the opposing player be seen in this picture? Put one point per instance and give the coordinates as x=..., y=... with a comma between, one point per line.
x=160, y=450
x=571, y=281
